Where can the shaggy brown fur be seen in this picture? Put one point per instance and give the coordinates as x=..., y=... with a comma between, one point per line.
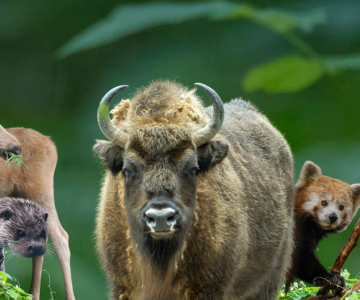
x=236, y=237
x=22, y=228
x=8, y=143
x=34, y=181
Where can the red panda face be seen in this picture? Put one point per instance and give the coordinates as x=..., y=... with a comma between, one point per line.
x=329, y=202
x=331, y=212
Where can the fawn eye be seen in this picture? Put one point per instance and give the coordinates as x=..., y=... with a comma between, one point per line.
x=341, y=207
x=324, y=203
x=21, y=234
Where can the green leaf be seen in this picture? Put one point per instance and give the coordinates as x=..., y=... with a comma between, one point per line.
x=128, y=19
x=354, y=296
x=132, y=18
x=282, y=22
x=284, y=75
x=13, y=293
x=343, y=62
x=4, y=276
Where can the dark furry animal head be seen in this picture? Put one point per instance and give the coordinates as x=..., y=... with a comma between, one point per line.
x=22, y=227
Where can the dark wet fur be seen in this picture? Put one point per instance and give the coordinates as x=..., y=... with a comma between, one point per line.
x=20, y=215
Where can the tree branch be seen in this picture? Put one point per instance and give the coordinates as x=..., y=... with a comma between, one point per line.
x=340, y=260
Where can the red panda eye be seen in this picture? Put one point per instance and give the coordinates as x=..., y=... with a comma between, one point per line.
x=324, y=203
x=341, y=207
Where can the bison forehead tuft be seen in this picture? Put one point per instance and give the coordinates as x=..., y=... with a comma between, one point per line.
x=160, y=139
x=162, y=97
x=162, y=103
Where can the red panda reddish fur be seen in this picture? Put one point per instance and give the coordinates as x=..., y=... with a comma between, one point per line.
x=321, y=186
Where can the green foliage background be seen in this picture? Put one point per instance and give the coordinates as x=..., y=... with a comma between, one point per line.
x=297, y=61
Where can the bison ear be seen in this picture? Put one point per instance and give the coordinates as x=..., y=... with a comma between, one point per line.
x=211, y=154
x=308, y=171
x=111, y=154
x=356, y=195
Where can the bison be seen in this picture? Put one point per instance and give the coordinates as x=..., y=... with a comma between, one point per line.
x=34, y=181
x=196, y=202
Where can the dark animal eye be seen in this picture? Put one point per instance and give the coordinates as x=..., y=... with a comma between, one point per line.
x=324, y=203
x=341, y=207
x=43, y=234
x=21, y=233
x=193, y=171
x=127, y=173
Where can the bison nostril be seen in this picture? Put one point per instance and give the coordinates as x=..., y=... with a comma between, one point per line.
x=160, y=219
x=333, y=217
x=151, y=221
x=171, y=220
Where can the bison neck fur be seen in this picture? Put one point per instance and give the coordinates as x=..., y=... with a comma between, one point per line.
x=157, y=276
x=158, y=259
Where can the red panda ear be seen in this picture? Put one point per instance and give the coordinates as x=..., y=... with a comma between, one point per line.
x=308, y=171
x=356, y=194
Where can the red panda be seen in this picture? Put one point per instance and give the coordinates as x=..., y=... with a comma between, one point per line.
x=323, y=205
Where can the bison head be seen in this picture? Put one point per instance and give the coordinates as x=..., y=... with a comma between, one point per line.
x=159, y=142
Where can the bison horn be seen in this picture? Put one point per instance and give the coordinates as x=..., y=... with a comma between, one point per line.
x=107, y=127
x=205, y=134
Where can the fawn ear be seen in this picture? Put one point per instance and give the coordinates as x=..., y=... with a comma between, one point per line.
x=356, y=195
x=308, y=171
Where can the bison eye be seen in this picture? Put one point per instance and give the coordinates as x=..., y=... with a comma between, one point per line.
x=21, y=234
x=127, y=173
x=341, y=207
x=193, y=171
x=324, y=203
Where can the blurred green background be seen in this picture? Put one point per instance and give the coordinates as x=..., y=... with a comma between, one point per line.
x=295, y=60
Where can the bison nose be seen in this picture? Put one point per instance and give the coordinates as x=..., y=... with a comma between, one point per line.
x=160, y=219
x=333, y=217
x=36, y=250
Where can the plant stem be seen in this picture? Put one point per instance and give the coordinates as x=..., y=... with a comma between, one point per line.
x=300, y=45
